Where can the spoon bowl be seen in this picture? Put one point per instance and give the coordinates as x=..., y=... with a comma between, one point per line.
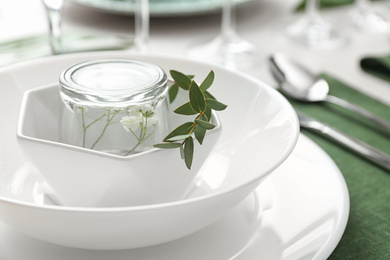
x=299, y=83
x=296, y=81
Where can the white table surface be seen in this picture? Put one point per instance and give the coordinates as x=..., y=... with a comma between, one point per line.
x=257, y=22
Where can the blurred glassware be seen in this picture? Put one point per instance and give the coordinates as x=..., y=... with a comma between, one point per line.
x=142, y=18
x=54, y=14
x=312, y=31
x=367, y=19
x=228, y=48
x=36, y=46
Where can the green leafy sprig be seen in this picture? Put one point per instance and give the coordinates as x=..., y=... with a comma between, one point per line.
x=201, y=103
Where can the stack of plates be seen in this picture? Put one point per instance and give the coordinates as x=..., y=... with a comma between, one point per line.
x=299, y=211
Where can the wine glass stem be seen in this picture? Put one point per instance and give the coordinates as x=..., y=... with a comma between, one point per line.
x=362, y=4
x=54, y=17
x=312, y=7
x=228, y=19
x=142, y=25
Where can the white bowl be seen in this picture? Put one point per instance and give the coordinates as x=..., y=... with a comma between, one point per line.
x=83, y=177
x=260, y=130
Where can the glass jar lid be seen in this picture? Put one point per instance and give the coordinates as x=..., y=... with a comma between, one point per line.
x=112, y=83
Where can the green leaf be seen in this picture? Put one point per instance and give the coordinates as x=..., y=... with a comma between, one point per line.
x=185, y=109
x=182, y=151
x=208, y=95
x=177, y=138
x=197, y=99
x=204, y=124
x=173, y=90
x=200, y=133
x=189, y=152
x=182, y=80
x=207, y=114
x=207, y=82
x=216, y=105
x=204, y=117
x=184, y=129
x=167, y=145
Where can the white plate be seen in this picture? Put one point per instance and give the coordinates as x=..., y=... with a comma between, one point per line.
x=305, y=206
x=159, y=7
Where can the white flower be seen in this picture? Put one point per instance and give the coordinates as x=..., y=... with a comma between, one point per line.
x=140, y=109
x=145, y=113
x=152, y=120
x=132, y=122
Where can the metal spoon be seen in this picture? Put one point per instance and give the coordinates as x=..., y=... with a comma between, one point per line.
x=299, y=83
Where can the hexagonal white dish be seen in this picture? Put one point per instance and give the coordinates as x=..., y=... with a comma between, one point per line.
x=260, y=130
x=82, y=177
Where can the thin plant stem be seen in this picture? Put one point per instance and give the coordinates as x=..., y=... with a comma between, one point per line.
x=86, y=127
x=141, y=138
x=105, y=127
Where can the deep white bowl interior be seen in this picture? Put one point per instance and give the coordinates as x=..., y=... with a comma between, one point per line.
x=260, y=130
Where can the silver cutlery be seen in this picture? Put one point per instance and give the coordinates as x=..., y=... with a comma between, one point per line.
x=299, y=83
x=363, y=149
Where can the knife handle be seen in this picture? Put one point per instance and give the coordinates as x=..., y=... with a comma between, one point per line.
x=355, y=145
x=359, y=110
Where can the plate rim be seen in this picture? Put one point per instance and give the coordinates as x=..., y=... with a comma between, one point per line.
x=335, y=236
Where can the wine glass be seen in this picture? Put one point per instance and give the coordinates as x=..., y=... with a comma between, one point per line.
x=54, y=12
x=367, y=19
x=36, y=46
x=228, y=48
x=312, y=31
x=142, y=19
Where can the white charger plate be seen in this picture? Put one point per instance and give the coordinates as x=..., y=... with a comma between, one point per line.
x=302, y=215
x=159, y=8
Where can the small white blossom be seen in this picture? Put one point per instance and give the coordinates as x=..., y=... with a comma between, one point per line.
x=131, y=122
x=152, y=120
x=145, y=113
x=145, y=108
x=139, y=109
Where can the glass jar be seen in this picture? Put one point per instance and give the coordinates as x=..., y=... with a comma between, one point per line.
x=117, y=106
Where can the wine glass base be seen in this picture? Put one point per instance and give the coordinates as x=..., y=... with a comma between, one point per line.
x=369, y=21
x=37, y=46
x=315, y=33
x=233, y=52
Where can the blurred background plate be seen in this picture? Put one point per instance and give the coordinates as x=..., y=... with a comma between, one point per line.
x=159, y=8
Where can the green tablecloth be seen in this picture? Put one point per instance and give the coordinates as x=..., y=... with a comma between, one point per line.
x=327, y=3
x=367, y=235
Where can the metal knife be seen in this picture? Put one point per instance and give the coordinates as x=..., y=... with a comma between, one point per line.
x=363, y=149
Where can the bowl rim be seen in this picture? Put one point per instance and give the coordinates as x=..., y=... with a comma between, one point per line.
x=180, y=203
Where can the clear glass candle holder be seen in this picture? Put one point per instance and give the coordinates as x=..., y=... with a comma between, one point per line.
x=117, y=106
